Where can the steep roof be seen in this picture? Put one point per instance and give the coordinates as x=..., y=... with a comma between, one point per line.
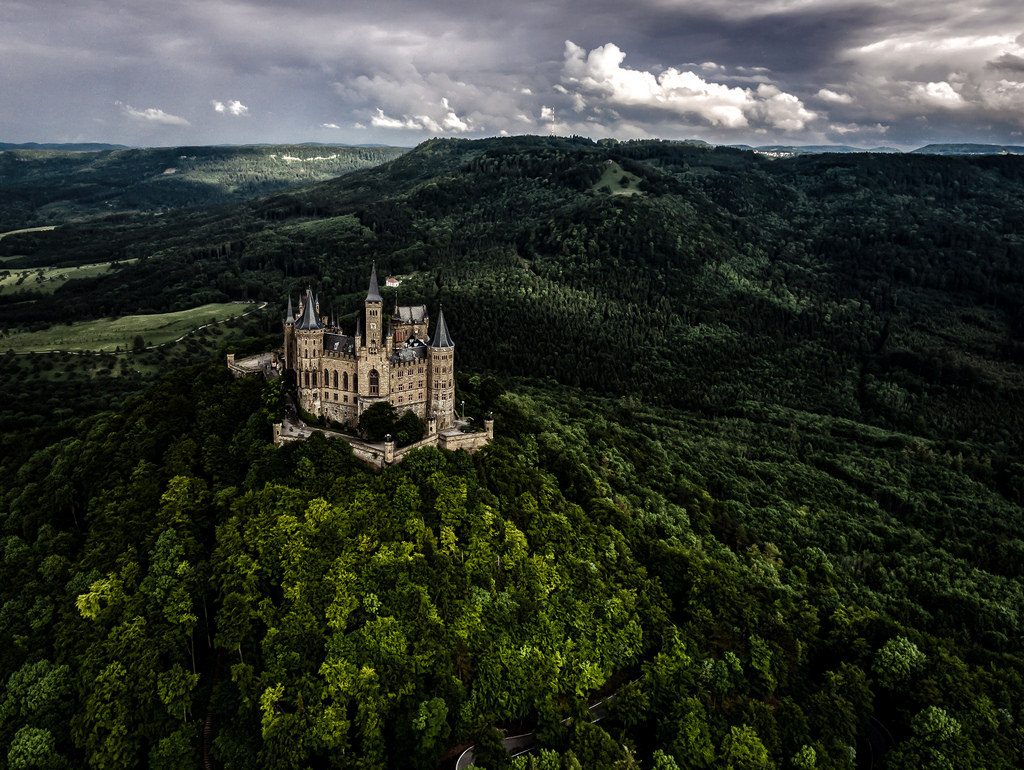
x=411, y=313
x=373, y=294
x=309, y=319
x=290, y=319
x=441, y=337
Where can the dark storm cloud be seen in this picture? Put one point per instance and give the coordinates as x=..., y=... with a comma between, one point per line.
x=1008, y=62
x=151, y=72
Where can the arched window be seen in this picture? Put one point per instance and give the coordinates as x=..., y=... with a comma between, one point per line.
x=355, y=382
x=327, y=378
x=314, y=378
x=335, y=378
x=374, y=382
x=344, y=380
x=307, y=378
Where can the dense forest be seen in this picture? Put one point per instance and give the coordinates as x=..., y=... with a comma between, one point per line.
x=758, y=475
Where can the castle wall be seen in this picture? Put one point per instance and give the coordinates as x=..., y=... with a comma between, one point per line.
x=470, y=442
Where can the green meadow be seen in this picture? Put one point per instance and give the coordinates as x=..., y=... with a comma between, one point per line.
x=108, y=334
x=49, y=279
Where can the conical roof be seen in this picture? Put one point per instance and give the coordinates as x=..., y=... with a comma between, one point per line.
x=290, y=319
x=441, y=337
x=373, y=294
x=309, y=319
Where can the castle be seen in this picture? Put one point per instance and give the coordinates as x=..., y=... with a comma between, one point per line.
x=338, y=376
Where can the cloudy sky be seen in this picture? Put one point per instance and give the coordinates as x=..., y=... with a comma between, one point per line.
x=174, y=72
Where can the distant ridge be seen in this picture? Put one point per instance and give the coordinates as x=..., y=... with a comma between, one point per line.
x=809, y=149
x=970, y=149
x=69, y=147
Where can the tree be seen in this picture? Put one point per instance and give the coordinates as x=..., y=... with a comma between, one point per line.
x=138, y=344
x=896, y=661
x=409, y=429
x=742, y=750
x=377, y=421
x=33, y=748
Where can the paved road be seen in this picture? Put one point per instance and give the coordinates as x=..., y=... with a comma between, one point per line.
x=521, y=744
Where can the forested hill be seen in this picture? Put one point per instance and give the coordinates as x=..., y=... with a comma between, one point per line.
x=887, y=289
x=49, y=185
x=757, y=472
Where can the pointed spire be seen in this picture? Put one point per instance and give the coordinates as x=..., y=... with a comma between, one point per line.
x=441, y=337
x=373, y=295
x=359, y=331
x=309, y=319
x=290, y=319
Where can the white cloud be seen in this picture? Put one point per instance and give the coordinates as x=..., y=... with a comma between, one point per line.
x=450, y=122
x=233, y=107
x=857, y=128
x=828, y=95
x=938, y=94
x=547, y=114
x=330, y=125
x=599, y=74
x=152, y=115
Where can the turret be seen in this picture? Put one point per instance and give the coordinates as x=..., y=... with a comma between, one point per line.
x=289, y=337
x=441, y=357
x=373, y=306
x=309, y=318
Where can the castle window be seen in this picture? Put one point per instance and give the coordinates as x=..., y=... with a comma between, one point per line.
x=314, y=378
x=335, y=379
x=374, y=382
x=335, y=396
x=346, y=399
x=307, y=378
x=355, y=381
x=344, y=380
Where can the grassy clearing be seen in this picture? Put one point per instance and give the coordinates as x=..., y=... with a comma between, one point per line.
x=46, y=280
x=109, y=334
x=611, y=180
x=42, y=229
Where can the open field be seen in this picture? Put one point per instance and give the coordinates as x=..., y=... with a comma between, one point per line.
x=49, y=279
x=42, y=229
x=612, y=179
x=109, y=334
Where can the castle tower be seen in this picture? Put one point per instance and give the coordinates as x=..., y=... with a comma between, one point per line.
x=309, y=345
x=441, y=381
x=373, y=365
x=289, y=337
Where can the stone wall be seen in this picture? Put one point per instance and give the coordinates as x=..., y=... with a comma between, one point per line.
x=380, y=455
x=471, y=442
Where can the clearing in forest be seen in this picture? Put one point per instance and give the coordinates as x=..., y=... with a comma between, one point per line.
x=617, y=181
x=49, y=279
x=108, y=334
